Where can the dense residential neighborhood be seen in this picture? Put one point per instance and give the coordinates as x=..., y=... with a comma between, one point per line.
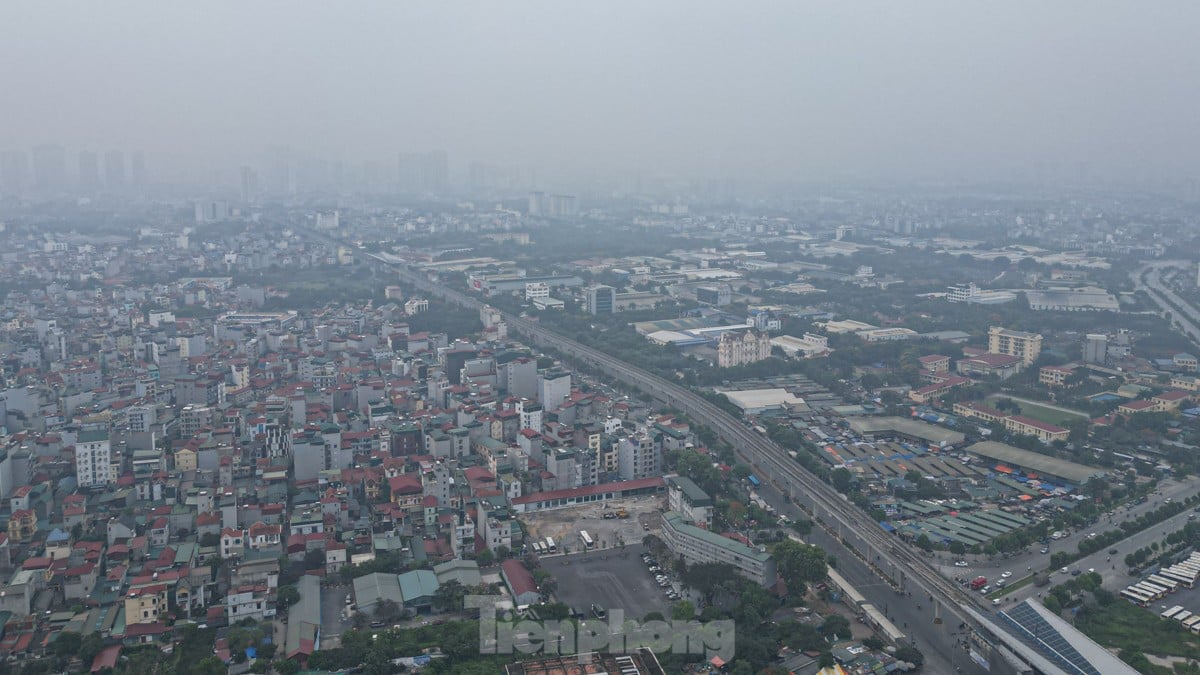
x=582, y=339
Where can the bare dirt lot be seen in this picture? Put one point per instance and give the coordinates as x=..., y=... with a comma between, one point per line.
x=565, y=524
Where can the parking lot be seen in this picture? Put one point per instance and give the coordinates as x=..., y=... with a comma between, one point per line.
x=564, y=524
x=334, y=618
x=610, y=579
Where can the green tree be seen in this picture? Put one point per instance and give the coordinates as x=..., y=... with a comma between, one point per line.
x=910, y=654
x=388, y=610
x=209, y=665
x=89, y=647
x=67, y=644
x=449, y=596
x=841, y=479
x=799, y=564
x=287, y=596
x=683, y=610
x=1052, y=603
x=836, y=624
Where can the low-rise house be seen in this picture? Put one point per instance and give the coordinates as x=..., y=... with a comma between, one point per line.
x=159, y=532
x=520, y=583
x=78, y=582
x=233, y=543
x=264, y=537
x=249, y=602
x=144, y=604
x=22, y=525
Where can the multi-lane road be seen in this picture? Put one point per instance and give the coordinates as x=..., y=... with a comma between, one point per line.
x=1149, y=278
x=903, y=567
x=903, y=581
x=1111, y=566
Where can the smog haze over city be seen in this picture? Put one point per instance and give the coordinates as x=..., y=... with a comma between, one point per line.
x=926, y=91
x=643, y=337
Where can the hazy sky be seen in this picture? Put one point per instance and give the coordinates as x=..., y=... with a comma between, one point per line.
x=696, y=88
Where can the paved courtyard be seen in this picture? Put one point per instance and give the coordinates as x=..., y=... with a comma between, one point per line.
x=610, y=579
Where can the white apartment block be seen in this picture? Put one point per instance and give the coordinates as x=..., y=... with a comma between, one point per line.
x=698, y=546
x=638, y=457
x=93, y=459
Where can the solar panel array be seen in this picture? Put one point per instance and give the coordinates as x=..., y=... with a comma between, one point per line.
x=1036, y=632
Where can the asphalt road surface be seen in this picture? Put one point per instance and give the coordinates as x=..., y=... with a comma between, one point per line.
x=1032, y=560
x=914, y=615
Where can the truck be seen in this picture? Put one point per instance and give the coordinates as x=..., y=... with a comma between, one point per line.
x=622, y=513
x=978, y=583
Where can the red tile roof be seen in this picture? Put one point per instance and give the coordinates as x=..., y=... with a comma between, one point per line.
x=621, y=486
x=519, y=579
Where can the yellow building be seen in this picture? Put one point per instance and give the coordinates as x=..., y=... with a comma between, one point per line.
x=22, y=525
x=145, y=604
x=1054, y=376
x=1026, y=346
x=185, y=459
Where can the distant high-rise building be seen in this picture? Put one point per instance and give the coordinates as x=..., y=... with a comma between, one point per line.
x=426, y=173
x=552, y=206
x=14, y=173
x=1026, y=346
x=49, y=167
x=537, y=203
x=601, y=299
x=138, y=169
x=280, y=177
x=89, y=170
x=372, y=175
x=211, y=211
x=1095, y=348
x=249, y=184
x=114, y=169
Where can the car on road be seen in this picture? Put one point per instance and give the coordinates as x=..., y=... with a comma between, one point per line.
x=995, y=601
x=960, y=563
x=1045, y=550
x=1064, y=570
x=1074, y=573
x=985, y=590
x=1112, y=551
x=1006, y=574
x=1091, y=570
